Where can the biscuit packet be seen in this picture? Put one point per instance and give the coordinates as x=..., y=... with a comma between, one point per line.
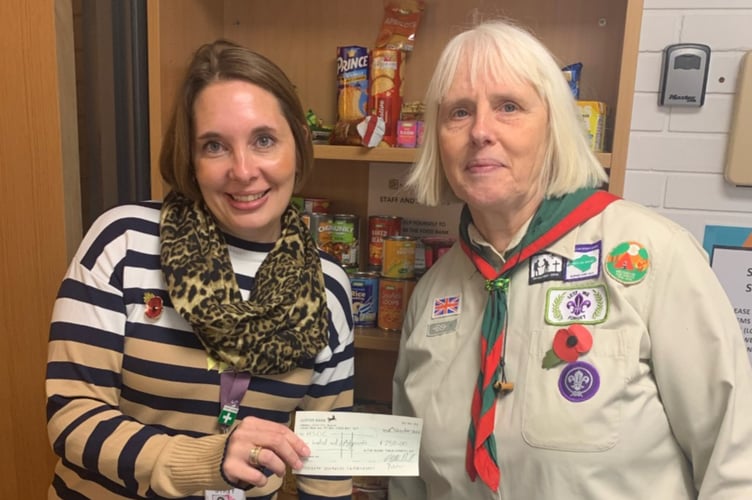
x=385, y=91
x=400, y=24
x=353, y=65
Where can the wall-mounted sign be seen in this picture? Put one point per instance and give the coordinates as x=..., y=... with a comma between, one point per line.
x=730, y=251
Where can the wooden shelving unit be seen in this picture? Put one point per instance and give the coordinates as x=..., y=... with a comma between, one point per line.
x=388, y=155
x=376, y=339
x=302, y=36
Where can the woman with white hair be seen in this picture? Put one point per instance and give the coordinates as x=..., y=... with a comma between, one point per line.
x=571, y=345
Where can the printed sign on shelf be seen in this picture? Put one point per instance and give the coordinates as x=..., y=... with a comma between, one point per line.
x=387, y=196
x=730, y=252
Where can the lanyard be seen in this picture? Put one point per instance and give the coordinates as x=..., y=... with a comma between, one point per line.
x=232, y=387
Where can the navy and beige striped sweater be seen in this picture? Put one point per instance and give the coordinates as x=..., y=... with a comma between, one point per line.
x=131, y=402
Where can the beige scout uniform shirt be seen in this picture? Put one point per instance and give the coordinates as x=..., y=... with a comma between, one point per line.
x=671, y=417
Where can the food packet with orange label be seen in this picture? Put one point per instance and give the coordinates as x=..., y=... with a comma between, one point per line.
x=385, y=91
x=400, y=24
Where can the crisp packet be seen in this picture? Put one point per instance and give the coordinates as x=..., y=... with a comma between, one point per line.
x=572, y=74
x=400, y=23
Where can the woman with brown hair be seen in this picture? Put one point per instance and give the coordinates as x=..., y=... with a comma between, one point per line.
x=186, y=332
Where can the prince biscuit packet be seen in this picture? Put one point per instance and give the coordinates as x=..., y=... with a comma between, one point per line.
x=352, y=82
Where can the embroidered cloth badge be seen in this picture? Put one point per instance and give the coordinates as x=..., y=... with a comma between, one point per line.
x=546, y=267
x=628, y=262
x=586, y=305
x=579, y=381
x=446, y=306
x=586, y=264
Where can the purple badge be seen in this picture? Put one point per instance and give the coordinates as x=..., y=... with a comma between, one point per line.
x=579, y=381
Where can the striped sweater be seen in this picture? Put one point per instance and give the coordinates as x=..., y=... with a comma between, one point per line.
x=132, y=404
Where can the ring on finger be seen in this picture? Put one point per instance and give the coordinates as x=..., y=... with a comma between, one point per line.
x=253, y=456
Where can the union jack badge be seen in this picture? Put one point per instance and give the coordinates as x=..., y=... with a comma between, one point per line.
x=446, y=306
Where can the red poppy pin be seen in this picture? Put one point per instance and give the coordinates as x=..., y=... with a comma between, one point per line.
x=569, y=344
x=153, y=305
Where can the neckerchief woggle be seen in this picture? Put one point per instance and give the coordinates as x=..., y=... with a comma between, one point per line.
x=554, y=218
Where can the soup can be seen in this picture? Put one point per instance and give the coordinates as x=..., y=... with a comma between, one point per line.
x=320, y=226
x=394, y=295
x=365, y=298
x=399, y=257
x=379, y=227
x=345, y=239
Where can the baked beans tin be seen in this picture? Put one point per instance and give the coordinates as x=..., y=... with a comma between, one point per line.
x=320, y=226
x=379, y=227
x=365, y=298
x=398, y=260
x=394, y=294
x=345, y=239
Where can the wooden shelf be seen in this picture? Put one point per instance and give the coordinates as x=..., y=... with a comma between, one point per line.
x=359, y=153
x=376, y=339
x=388, y=155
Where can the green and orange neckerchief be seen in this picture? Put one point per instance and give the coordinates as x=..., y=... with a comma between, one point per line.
x=554, y=218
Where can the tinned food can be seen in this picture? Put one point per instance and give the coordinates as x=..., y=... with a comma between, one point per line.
x=380, y=227
x=365, y=298
x=435, y=247
x=320, y=226
x=311, y=205
x=394, y=295
x=399, y=257
x=345, y=239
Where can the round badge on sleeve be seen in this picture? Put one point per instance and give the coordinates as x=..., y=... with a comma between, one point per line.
x=628, y=262
x=579, y=381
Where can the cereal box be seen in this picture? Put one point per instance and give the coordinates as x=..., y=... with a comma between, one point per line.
x=594, y=116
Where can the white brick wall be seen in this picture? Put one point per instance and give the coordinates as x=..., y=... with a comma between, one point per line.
x=677, y=155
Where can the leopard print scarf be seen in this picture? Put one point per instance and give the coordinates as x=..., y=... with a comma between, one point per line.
x=284, y=322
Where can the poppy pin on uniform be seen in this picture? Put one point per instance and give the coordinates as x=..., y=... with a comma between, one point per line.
x=569, y=343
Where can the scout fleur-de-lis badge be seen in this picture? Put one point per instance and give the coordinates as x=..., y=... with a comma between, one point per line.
x=154, y=305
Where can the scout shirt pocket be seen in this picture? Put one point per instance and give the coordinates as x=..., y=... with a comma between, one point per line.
x=575, y=406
